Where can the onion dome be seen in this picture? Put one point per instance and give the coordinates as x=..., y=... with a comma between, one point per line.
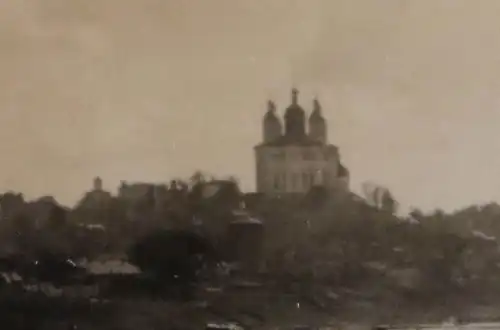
x=317, y=124
x=295, y=118
x=272, y=125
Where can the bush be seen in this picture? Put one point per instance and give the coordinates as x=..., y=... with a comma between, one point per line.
x=172, y=256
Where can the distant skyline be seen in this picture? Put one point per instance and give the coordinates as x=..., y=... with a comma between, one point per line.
x=151, y=90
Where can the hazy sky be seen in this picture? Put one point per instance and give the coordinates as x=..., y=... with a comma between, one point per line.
x=154, y=89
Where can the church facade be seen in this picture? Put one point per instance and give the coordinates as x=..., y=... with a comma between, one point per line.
x=293, y=160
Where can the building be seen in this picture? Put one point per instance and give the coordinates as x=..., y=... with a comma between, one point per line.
x=93, y=207
x=141, y=190
x=95, y=198
x=245, y=238
x=291, y=160
x=145, y=201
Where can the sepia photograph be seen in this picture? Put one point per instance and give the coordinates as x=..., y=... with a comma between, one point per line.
x=249, y=164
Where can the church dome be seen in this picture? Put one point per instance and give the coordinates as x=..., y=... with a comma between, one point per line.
x=316, y=115
x=272, y=124
x=270, y=115
x=317, y=124
x=295, y=118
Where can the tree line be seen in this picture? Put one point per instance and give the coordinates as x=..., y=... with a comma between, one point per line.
x=317, y=240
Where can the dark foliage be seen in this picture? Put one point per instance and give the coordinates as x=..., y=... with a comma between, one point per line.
x=10, y=264
x=172, y=256
x=28, y=312
x=57, y=217
x=316, y=197
x=56, y=269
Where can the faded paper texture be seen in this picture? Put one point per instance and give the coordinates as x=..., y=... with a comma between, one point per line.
x=152, y=89
x=180, y=164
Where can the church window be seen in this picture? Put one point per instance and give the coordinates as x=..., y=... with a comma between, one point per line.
x=277, y=179
x=311, y=178
x=279, y=155
x=305, y=180
x=294, y=181
x=319, y=177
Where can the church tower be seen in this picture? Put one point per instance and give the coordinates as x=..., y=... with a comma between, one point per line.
x=272, y=128
x=97, y=184
x=317, y=124
x=295, y=119
x=294, y=160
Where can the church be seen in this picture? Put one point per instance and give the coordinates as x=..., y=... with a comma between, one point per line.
x=291, y=160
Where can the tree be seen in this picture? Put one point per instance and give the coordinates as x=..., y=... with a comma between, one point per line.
x=10, y=204
x=388, y=202
x=57, y=217
x=172, y=256
x=233, y=179
x=379, y=197
x=57, y=269
x=316, y=197
x=416, y=214
x=197, y=178
x=443, y=261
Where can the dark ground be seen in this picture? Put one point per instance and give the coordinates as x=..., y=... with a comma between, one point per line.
x=252, y=309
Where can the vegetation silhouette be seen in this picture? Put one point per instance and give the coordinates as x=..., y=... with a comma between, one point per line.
x=56, y=269
x=173, y=257
x=315, y=247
